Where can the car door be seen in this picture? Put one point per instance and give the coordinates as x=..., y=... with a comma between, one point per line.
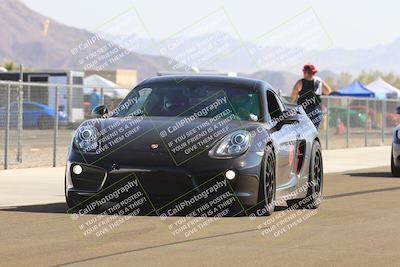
x=285, y=139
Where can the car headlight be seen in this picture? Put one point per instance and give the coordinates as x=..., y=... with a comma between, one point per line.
x=86, y=138
x=233, y=144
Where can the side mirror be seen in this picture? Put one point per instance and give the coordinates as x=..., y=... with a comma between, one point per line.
x=288, y=118
x=99, y=111
x=398, y=110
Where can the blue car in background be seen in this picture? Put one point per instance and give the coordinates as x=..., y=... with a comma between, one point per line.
x=35, y=115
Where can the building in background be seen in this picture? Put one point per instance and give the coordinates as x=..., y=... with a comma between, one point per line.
x=111, y=92
x=70, y=99
x=124, y=78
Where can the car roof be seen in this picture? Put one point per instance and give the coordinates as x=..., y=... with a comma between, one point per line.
x=256, y=84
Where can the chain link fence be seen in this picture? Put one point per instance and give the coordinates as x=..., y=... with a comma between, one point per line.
x=38, y=120
x=357, y=122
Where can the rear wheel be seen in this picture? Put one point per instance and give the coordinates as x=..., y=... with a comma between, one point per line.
x=395, y=169
x=315, y=181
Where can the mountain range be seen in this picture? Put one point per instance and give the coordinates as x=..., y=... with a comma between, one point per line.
x=24, y=40
x=385, y=58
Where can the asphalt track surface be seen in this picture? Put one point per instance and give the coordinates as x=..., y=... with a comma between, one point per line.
x=356, y=225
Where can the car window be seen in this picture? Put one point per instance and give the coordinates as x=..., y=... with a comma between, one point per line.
x=280, y=102
x=186, y=99
x=275, y=107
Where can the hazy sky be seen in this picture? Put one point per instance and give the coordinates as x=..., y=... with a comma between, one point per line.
x=350, y=24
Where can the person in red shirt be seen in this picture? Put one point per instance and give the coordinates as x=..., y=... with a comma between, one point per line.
x=307, y=92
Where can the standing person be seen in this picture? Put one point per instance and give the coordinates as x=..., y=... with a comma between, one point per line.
x=95, y=98
x=307, y=92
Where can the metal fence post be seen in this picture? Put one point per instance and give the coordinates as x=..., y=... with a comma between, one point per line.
x=69, y=101
x=366, y=125
x=383, y=121
x=7, y=133
x=348, y=123
x=327, y=124
x=20, y=121
x=55, y=128
x=102, y=96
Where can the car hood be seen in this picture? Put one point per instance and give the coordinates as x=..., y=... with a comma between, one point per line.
x=181, y=137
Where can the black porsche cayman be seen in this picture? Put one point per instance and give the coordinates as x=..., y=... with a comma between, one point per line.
x=197, y=145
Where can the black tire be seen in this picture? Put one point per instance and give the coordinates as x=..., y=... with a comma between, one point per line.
x=45, y=122
x=267, y=189
x=315, y=180
x=395, y=169
x=74, y=204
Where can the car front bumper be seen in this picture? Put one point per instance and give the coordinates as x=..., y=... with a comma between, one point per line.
x=161, y=183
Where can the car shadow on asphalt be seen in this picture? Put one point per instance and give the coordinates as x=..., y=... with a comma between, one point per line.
x=383, y=175
x=39, y=208
x=60, y=208
x=362, y=192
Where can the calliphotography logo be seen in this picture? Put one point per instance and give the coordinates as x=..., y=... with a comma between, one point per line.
x=200, y=209
x=209, y=48
x=97, y=216
x=93, y=137
x=200, y=127
x=112, y=42
x=288, y=219
x=267, y=53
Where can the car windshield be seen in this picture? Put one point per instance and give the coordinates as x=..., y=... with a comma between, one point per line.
x=186, y=99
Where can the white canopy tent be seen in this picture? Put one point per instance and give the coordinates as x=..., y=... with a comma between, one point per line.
x=383, y=89
x=110, y=88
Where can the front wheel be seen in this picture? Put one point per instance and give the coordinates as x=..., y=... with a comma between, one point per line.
x=74, y=204
x=315, y=181
x=267, y=191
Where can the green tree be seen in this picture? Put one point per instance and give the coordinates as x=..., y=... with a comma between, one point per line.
x=10, y=66
x=330, y=80
x=393, y=79
x=370, y=76
x=343, y=80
